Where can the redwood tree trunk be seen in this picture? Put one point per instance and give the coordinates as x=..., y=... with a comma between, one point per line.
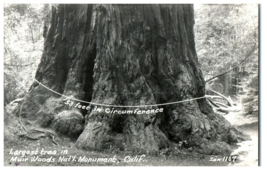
x=126, y=55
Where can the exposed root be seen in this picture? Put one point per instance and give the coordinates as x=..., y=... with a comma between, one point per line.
x=44, y=133
x=20, y=118
x=37, y=137
x=28, y=134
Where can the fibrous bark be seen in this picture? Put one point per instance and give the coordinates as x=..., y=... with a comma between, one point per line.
x=128, y=55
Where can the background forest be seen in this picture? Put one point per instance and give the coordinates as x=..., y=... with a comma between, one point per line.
x=226, y=38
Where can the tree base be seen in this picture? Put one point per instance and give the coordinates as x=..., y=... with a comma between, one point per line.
x=204, y=131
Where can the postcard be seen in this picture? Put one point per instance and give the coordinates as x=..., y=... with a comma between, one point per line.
x=131, y=84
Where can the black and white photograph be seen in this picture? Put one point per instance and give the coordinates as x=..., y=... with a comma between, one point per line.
x=88, y=84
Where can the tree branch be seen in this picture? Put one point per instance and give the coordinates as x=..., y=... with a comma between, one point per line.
x=248, y=55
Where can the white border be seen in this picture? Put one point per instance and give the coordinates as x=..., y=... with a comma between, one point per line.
x=263, y=70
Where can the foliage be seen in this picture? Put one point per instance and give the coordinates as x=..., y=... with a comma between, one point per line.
x=226, y=35
x=23, y=44
x=249, y=97
x=223, y=33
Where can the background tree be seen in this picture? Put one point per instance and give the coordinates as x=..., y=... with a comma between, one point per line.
x=23, y=45
x=227, y=39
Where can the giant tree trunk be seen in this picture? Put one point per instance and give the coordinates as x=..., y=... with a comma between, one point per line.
x=126, y=55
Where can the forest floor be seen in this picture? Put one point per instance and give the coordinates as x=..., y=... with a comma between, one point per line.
x=247, y=152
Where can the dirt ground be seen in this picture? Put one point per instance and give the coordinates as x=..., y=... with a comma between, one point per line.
x=248, y=150
x=66, y=154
